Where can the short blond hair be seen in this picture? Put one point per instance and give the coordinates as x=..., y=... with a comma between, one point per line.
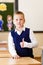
x=19, y=12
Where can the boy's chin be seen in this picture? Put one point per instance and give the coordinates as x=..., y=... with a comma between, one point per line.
x=19, y=26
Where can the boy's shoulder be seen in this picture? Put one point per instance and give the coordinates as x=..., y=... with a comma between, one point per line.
x=27, y=28
x=12, y=30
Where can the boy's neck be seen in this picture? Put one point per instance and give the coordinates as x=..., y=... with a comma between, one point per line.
x=19, y=29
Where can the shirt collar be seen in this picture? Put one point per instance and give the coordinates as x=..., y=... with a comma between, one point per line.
x=23, y=29
x=19, y=32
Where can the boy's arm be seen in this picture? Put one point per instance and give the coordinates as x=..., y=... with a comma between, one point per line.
x=11, y=46
x=33, y=42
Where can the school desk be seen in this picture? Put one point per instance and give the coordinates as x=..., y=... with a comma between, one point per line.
x=42, y=55
x=4, y=50
x=20, y=61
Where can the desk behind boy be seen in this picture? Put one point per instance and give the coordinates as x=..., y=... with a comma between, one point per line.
x=42, y=55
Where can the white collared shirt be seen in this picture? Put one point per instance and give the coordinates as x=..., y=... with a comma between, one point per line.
x=11, y=46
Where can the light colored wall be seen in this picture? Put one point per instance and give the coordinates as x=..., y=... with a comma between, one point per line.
x=33, y=10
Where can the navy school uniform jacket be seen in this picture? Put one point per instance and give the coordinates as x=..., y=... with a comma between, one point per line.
x=23, y=52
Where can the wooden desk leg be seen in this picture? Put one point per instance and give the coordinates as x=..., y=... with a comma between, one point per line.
x=42, y=58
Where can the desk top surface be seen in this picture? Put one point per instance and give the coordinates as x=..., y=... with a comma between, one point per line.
x=20, y=61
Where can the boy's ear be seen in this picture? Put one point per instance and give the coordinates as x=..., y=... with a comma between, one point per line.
x=14, y=22
x=24, y=20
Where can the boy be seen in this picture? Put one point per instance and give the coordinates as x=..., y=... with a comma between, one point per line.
x=21, y=40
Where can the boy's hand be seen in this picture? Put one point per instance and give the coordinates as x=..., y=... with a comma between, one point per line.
x=22, y=43
x=16, y=57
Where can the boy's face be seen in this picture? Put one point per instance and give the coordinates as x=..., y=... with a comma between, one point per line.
x=19, y=20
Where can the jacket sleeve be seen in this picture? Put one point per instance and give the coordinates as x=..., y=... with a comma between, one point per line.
x=11, y=46
x=33, y=43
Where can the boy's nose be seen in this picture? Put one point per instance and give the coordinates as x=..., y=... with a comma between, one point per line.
x=18, y=21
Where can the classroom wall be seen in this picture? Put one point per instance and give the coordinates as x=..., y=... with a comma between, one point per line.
x=33, y=10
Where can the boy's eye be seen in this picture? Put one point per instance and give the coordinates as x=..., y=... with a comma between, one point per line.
x=21, y=19
x=17, y=19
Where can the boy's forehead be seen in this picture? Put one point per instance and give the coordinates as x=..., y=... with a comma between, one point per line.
x=18, y=15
